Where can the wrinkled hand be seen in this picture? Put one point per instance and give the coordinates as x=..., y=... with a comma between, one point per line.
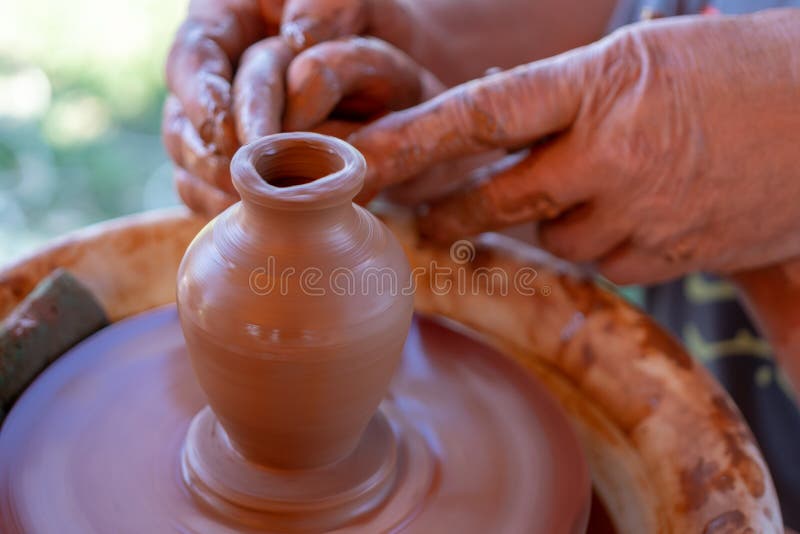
x=279, y=82
x=667, y=147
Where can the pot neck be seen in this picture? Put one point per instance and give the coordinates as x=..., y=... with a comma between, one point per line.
x=297, y=175
x=259, y=219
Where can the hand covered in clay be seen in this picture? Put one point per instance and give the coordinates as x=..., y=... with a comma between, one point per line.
x=198, y=123
x=207, y=117
x=456, y=40
x=667, y=147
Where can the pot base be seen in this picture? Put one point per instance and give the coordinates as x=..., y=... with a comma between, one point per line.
x=465, y=442
x=309, y=500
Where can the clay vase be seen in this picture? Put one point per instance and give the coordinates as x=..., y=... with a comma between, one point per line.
x=294, y=304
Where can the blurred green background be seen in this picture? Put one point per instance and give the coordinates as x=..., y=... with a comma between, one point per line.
x=81, y=90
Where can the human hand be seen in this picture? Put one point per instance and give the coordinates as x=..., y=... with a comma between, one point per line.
x=667, y=147
x=212, y=110
x=199, y=127
x=198, y=123
x=456, y=40
x=354, y=78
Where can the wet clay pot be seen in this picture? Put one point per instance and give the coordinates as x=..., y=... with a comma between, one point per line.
x=292, y=306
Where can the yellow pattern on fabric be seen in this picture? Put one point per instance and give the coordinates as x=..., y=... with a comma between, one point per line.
x=699, y=290
x=743, y=344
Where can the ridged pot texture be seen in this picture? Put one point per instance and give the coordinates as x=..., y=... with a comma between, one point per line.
x=295, y=304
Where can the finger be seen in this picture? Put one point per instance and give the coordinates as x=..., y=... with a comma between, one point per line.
x=258, y=89
x=189, y=151
x=542, y=185
x=585, y=232
x=506, y=110
x=200, y=63
x=199, y=196
x=445, y=179
x=360, y=76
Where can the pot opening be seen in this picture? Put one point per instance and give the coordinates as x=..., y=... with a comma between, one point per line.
x=297, y=165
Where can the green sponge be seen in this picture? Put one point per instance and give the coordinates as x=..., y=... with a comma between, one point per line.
x=56, y=315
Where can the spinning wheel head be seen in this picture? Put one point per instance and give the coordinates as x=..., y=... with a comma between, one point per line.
x=466, y=440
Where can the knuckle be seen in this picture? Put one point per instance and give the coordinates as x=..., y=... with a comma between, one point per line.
x=476, y=113
x=618, y=64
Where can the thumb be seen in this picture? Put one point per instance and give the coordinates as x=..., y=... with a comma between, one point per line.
x=508, y=110
x=541, y=185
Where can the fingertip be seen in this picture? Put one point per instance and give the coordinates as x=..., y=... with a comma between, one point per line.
x=300, y=33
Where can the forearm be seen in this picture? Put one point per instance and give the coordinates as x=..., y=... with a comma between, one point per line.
x=459, y=40
x=772, y=295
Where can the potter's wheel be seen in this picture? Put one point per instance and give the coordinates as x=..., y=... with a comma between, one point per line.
x=95, y=444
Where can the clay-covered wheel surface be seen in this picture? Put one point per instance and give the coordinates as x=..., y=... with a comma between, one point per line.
x=93, y=446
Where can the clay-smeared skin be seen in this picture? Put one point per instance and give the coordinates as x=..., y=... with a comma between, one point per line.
x=109, y=418
x=198, y=123
x=293, y=377
x=309, y=22
x=647, y=172
x=258, y=91
x=200, y=63
x=189, y=151
x=359, y=76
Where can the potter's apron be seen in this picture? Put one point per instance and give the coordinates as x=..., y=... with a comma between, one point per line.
x=705, y=313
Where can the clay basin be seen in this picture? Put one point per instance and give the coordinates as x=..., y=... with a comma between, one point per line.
x=666, y=448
